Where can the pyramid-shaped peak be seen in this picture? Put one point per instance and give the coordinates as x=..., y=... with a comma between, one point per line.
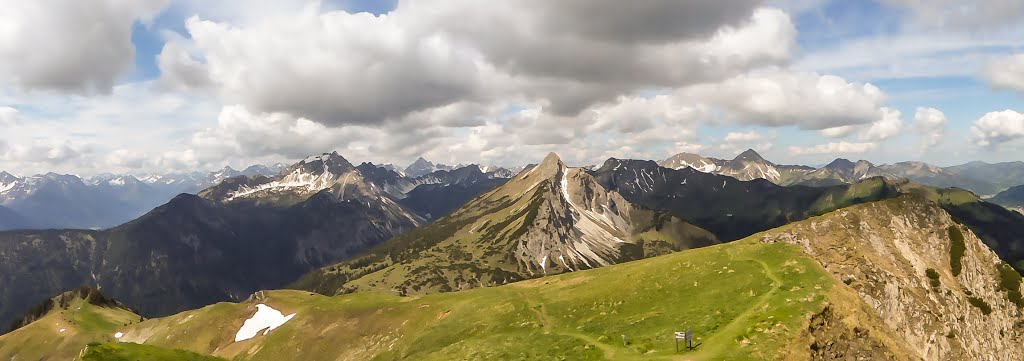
x=750, y=155
x=840, y=163
x=551, y=159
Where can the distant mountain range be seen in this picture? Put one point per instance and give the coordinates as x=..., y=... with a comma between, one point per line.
x=981, y=178
x=243, y=234
x=62, y=201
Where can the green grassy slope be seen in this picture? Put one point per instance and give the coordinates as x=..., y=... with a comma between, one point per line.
x=743, y=301
x=82, y=323
x=136, y=352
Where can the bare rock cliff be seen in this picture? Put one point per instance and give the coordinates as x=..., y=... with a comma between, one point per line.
x=944, y=298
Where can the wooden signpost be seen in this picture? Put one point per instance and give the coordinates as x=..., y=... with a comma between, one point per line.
x=687, y=337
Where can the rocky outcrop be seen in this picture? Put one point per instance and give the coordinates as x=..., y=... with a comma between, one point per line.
x=899, y=257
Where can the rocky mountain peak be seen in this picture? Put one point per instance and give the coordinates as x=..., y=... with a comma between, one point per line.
x=750, y=155
x=550, y=159
x=327, y=162
x=840, y=164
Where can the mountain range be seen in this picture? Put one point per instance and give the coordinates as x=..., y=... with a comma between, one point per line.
x=895, y=279
x=841, y=260
x=63, y=201
x=979, y=177
x=217, y=245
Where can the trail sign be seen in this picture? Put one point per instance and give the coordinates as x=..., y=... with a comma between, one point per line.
x=686, y=336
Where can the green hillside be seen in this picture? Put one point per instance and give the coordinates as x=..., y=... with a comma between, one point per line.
x=872, y=281
x=136, y=352
x=743, y=301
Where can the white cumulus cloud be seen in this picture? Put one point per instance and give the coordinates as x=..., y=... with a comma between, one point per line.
x=782, y=98
x=931, y=124
x=995, y=128
x=79, y=46
x=889, y=125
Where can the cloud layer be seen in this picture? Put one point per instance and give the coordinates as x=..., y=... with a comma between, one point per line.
x=80, y=46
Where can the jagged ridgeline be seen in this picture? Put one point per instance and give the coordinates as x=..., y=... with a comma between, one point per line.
x=547, y=220
x=552, y=219
x=729, y=208
x=874, y=281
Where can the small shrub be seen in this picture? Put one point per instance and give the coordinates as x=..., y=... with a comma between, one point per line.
x=933, y=277
x=1010, y=281
x=956, y=249
x=980, y=304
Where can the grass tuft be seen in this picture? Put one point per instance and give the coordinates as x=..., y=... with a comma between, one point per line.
x=933, y=277
x=980, y=304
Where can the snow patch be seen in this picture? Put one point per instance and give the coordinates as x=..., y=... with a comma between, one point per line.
x=266, y=319
x=119, y=335
x=62, y=330
x=297, y=179
x=7, y=186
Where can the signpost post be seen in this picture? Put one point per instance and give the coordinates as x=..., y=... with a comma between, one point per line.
x=687, y=337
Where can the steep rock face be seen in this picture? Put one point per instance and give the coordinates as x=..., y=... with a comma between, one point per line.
x=897, y=256
x=548, y=219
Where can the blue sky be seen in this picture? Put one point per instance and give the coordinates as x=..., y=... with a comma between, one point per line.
x=461, y=82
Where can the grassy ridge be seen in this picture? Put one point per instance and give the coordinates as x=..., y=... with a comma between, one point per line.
x=61, y=333
x=135, y=352
x=743, y=301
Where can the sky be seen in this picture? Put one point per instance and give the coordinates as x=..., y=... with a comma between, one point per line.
x=161, y=86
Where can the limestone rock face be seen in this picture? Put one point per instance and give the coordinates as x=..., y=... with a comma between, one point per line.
x=885, y=251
